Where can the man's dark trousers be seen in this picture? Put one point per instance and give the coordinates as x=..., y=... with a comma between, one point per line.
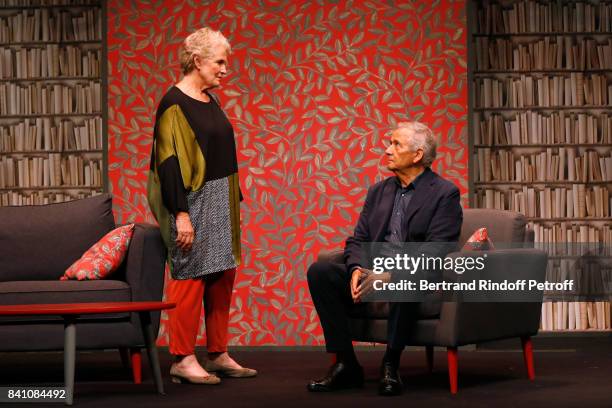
x=330, y=290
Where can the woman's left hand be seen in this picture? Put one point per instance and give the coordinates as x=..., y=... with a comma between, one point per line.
x=184, y=231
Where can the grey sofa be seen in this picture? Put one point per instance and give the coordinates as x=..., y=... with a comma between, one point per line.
x=452, y=322
x=38, y=243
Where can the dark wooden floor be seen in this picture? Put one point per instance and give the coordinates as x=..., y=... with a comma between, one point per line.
x=565, y=377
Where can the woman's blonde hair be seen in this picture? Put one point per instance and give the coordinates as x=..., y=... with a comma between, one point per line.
x=200, y=42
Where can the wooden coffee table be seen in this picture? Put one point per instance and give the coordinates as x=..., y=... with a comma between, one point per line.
x=71, y=311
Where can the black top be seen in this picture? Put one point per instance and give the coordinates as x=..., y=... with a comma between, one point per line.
x=215, y=136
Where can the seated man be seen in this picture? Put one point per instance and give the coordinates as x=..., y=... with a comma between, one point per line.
x=414, y=205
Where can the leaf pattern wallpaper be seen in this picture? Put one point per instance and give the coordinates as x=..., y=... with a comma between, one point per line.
x=314, y=88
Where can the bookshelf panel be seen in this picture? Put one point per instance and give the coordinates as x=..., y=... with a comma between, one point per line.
x=52, y=84
x=40, y=197
x=541, y=131
x=50, y=61
x=42, y=24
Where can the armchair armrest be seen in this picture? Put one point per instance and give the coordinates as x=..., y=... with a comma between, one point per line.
x=511, y=264
x=466, y=322
x=145, y=263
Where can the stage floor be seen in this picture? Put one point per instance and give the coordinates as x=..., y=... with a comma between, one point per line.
x=564, y=378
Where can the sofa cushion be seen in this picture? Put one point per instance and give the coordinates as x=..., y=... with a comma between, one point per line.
x=104, y=257
x=43, y=292
x=479, y=241
x=40, y=242
x=504, y=227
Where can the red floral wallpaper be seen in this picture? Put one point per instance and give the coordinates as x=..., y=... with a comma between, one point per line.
x=313, y=88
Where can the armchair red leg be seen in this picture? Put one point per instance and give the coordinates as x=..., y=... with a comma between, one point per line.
x=429, y=354
x=451, y=354
x=528, y=356
x=136, y=367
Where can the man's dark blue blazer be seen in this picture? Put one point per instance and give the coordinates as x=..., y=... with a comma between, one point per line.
x=433, y=215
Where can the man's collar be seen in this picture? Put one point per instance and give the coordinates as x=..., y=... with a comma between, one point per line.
x=414, y=182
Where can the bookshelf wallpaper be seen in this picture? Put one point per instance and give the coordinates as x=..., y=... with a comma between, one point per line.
x=543, y=139
x=51, y=139
x=313, y=88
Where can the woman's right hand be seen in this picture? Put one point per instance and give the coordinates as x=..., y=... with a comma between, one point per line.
x=184, y=231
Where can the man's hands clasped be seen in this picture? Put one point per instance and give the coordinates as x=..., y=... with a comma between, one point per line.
x=362, y=282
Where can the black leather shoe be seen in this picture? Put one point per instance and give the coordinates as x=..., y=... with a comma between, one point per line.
x=390, y=381
x=338, y=377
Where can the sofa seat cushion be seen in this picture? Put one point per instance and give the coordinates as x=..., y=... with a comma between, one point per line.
x=42, y=292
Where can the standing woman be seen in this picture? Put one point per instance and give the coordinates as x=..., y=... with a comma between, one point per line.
x=194, y=194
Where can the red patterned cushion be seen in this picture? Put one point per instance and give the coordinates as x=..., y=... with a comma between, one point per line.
x=104, y=257
x=479, y=241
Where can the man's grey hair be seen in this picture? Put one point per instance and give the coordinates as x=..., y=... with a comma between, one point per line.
x=422, y=138
x=200, y=42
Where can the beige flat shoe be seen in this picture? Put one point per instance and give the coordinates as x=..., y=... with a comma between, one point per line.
x=223, y=371
x=180, y=378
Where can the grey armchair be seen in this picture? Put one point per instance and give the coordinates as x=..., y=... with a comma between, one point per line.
x=453, y=322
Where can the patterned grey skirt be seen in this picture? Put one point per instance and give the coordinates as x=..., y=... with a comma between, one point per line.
x=210, y=216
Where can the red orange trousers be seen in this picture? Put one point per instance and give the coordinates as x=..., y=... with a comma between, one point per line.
x=215, y=293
